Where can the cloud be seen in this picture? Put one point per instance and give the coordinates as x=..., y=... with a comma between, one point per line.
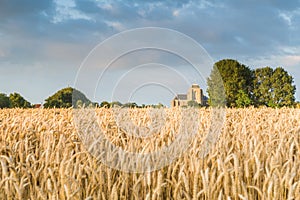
x=62, y=32
x=14, y=8
x=225, y=28
x=290, y=62
x=286, y=17
x=65, y=10
x=115, y=25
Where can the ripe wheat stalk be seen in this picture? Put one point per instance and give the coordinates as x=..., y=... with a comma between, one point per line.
x=257, y=156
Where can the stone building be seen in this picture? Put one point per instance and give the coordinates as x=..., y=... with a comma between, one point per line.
x=194, y=94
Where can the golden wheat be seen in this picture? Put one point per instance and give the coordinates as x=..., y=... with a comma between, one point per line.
x=257, y=156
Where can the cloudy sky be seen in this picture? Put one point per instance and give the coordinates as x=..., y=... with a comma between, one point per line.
x=43, y=43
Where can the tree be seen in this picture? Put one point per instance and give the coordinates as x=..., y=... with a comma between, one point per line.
x=17, y=101
x=262, y=86
x=243, y=100
x=215, y=89
x=66, y=98
x=227, y=79
x=105, y=104
x=4, y=101
x=159, y=105
x=283, y=88
x=130, y=105
x=273, y=88
x=115, y=103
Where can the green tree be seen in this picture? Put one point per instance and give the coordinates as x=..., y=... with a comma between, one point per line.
x=159, y=105
x=273, y=88
x=115, y=103
x=215, y=89
x=105, y=104
x=66, y=98
x=243, y=100
x=227, y=79
x=17, y=101
x=283, y=88
x=4, y=101
x=130, y=105
x=262, y=86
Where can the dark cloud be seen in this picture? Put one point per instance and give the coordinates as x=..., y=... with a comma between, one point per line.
x=230, y=29
x=39, y=31
x=223, y=27
x=16, y=8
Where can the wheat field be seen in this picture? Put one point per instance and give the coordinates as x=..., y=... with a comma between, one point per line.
x=257, y=156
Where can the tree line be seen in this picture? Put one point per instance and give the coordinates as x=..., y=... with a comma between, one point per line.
x=14, y=100
x=230, y=84
x=66, y=98
x=235, y=85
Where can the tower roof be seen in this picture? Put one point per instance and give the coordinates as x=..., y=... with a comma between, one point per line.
x=195, y=85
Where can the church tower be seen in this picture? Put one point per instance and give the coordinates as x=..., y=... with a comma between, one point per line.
x=195, y=94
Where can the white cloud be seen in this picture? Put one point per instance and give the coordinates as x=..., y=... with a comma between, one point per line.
x=176, y=13
x=273, y=61
x=65, y=10
x=115, y=25
x=289, y=60
x=286, y=17
x=290, y=17
x=142, y=12
x=106, y=6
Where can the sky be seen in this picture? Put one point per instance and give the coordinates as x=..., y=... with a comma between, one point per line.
x=45, y=45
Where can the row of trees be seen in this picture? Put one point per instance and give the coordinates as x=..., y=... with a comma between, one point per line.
x=14, y=100
x=67, y=97
x=64, y=98
x=128, y=105
x=230, y=83
x=236, y=85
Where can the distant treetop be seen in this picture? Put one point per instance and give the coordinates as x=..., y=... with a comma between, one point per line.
x=66, y=98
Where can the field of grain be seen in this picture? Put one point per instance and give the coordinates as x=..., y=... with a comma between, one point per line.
x=257, y=156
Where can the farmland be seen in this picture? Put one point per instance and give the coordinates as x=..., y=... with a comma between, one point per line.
x=257, y=156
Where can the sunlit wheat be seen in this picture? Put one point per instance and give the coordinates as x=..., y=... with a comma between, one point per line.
x=256, y=157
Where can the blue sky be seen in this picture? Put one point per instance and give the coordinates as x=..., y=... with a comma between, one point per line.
x=43, y=43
